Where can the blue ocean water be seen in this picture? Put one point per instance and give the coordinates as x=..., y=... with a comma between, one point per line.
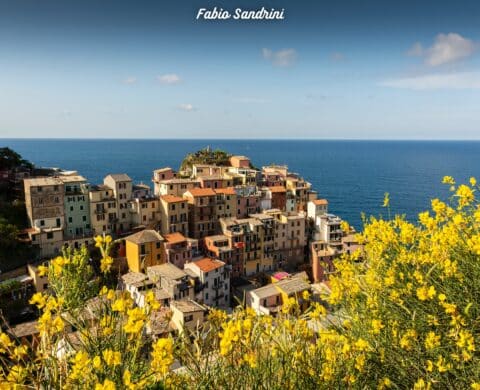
x=352, y=175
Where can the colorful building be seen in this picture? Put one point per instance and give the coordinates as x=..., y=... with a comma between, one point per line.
x=144, y=249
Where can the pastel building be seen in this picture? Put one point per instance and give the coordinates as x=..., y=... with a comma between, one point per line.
x=103, y=210
x=248, y=201
x=44, y=201
x=77, y=207
x=173, y=280
x=122, y=189
x=269, y=299
x=145, y=211
x=177, y=249
x=187, y=314
x=174, y=214
x=176, y=187
x=226, y=202
x=144, y=249
x=202, y=217
x=215, y=279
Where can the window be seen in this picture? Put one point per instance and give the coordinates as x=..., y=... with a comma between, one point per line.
x=71, y=208
x=84, y=218
x=189, y=318
x=70, y=219
x=206, y=296
x=158, y=256
x=142, y=249
x=49, y=235
x=158, y=245
x=42, y=222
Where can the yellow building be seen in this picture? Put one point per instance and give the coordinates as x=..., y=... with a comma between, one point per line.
x=144, y=249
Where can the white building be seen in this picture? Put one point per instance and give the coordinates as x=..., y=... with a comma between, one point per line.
x=215, y=279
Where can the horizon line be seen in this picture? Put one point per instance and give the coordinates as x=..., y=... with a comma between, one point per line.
x=236, y=139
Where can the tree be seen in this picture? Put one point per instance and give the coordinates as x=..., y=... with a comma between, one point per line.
x=10, y=159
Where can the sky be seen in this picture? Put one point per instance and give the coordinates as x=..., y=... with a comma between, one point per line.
x=330, y=70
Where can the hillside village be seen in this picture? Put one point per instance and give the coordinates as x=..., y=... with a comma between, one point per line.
x=208, y=236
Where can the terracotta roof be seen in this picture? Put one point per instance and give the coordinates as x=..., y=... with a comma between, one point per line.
x=226, y=191
x=172, y=199
x=207, y=264
x=201, y=192
x=320, y=202
x=174, y=238
x=144, y=236
x=277, y=189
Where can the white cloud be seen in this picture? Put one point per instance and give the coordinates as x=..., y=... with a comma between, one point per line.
x=169, y=78
x=446, y=48
x=416, y=50
x=186, y=107
x=282, y=58
x=130, y=80
x=460, y=80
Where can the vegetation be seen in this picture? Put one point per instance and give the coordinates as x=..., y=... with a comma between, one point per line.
x=13, y=216
x=407, y=316
x=10, y=159
x=205, y=156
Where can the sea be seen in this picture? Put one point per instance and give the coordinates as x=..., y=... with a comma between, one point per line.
x=352, y=175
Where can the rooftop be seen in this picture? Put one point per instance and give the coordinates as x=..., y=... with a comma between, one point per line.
x=167, y=270
x=160, y=321
x=292, y=285
x=43, y=181
x=134, y=277
x=226, y=191
x=174, y=238
x=144, y=236
x=187, y=306
x=25, y=329
x=320, y=202
x=119, y=177
x=201, y=192
x=172, y=199
x=166, y=169
x=207, y=264
x=72, y=179
x=266, y=291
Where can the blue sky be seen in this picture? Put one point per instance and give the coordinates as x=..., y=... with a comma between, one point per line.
x=140, y=69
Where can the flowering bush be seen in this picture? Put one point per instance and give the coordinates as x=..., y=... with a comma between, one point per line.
x=405, y=314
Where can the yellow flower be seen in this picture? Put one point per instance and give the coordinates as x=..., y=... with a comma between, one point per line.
x=448, y=180
x=107, y=385
x=306, y=295
x=424, y=293
x=42, y=270
x=386, y=200
x=465, y=195
x=112, y=358
x=473, y=181
x=97, y=362
x=162, y=356
x=5, y=342
x=377, y=326
x=38, y=299
x=106, y=264
x=251, y=359
x=432, y=341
